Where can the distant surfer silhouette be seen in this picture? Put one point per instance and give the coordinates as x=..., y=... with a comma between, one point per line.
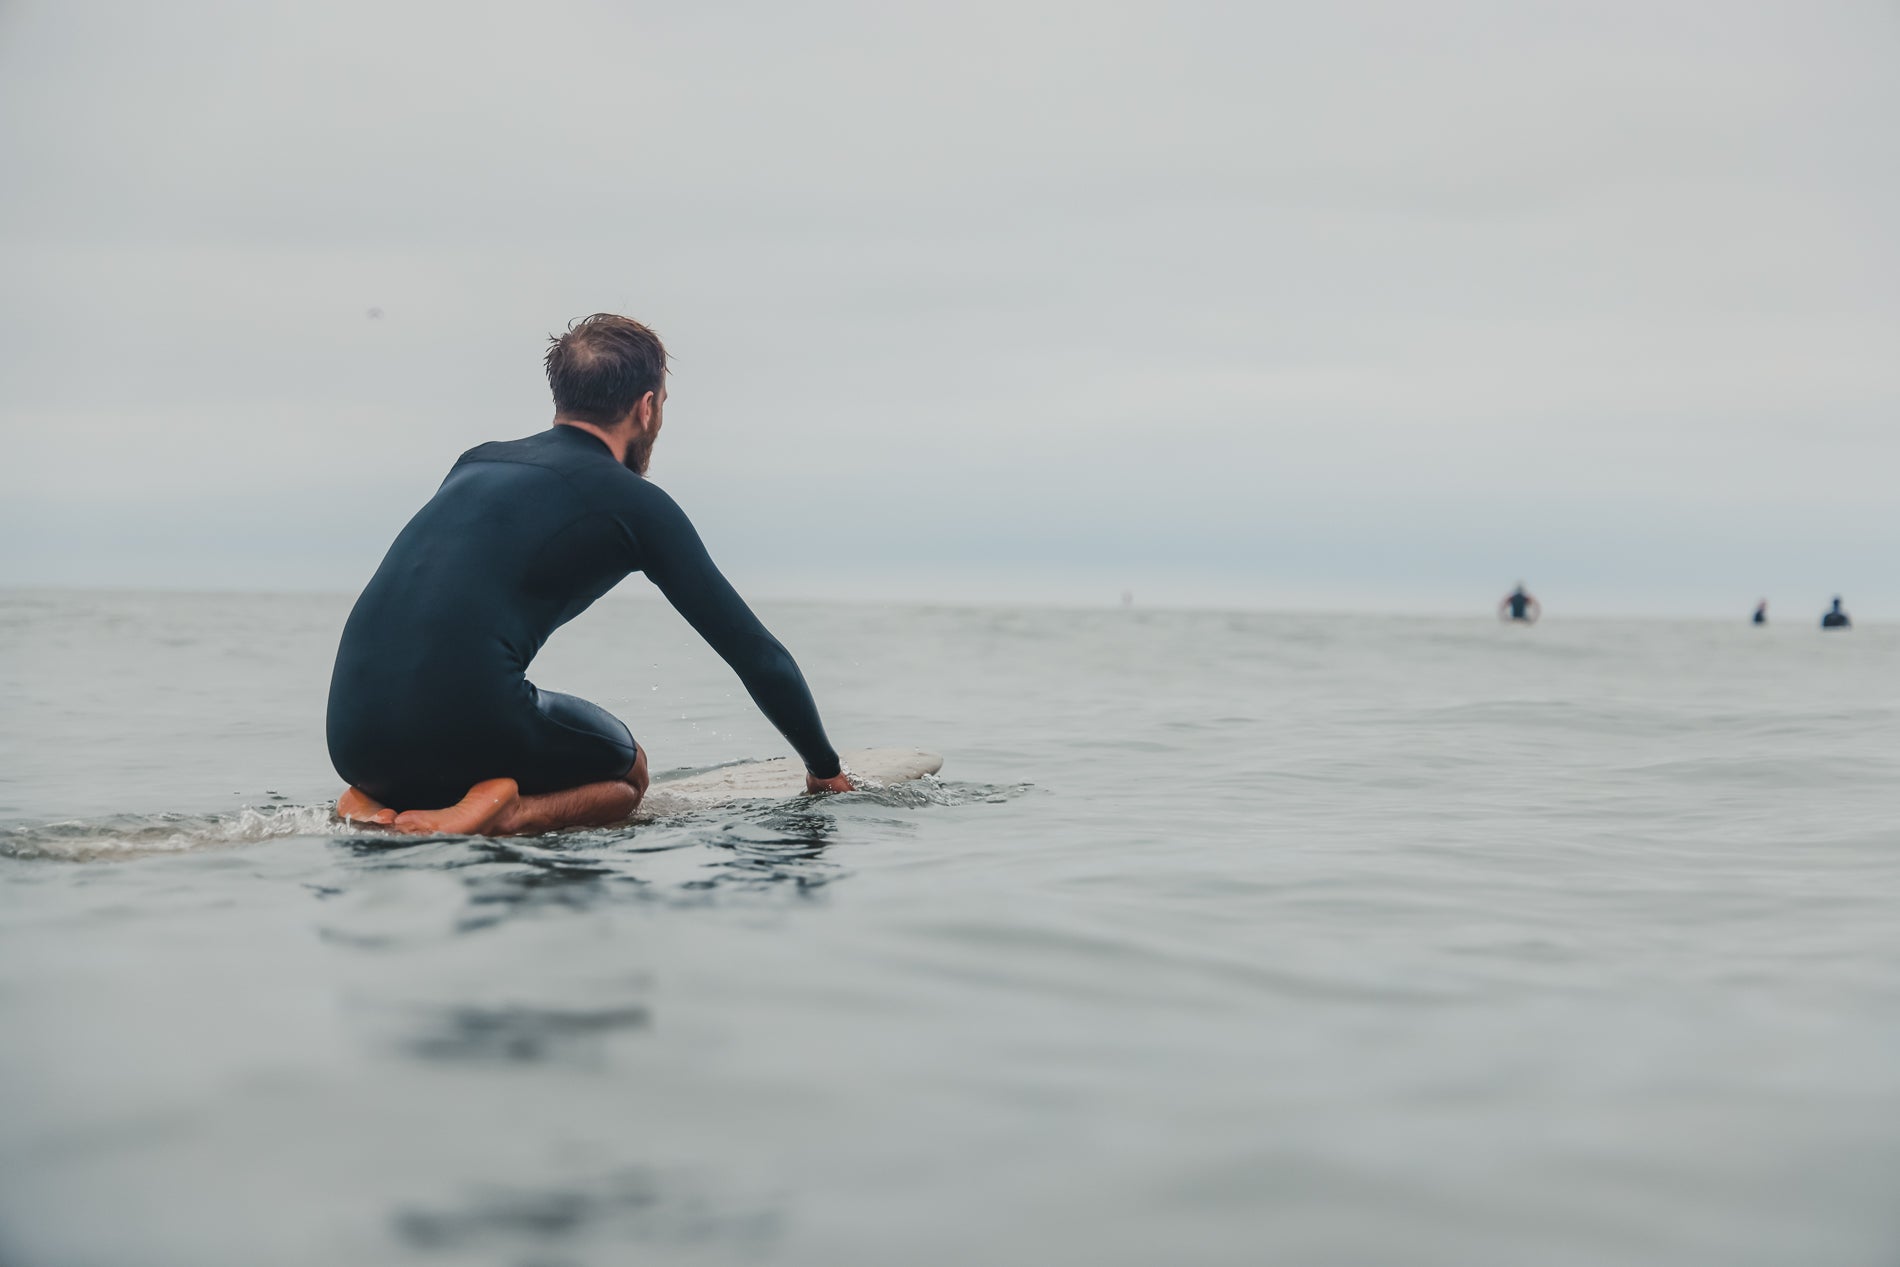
x=432, y=720
x=1835, y=617
x=1761, y=613
x=1518, y=605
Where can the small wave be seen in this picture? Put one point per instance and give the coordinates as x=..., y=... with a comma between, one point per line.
x=136, y=835
x=930, y=790
x=661, y=806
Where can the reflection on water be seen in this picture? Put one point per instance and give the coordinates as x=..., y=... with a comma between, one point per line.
x=519, y=1033
x=629, y=1209
x=761, y=851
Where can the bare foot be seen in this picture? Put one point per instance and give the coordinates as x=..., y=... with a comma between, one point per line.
x=358, y=806
x=473, y=815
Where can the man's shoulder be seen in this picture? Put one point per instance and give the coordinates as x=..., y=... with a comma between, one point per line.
x=541, y=450
x=607, y=484
x=529, y=450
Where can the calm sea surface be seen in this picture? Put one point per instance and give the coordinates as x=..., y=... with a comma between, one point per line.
x=1221, y=939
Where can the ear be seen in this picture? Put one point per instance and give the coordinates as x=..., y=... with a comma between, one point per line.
x=643, y=411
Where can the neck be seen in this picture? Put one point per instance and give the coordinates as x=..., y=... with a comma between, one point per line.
x=615, y=438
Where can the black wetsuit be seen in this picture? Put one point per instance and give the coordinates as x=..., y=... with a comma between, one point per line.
x=1520, y=605
x=430, y=693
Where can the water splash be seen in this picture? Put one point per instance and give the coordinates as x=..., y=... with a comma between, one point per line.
x=138, y=835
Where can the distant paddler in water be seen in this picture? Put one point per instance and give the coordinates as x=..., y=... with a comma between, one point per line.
x=1835, y=618
x=432, y=720
x=1519, y=606
x=1761, y=613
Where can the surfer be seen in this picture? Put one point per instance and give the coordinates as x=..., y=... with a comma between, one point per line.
x=1761, y=612
x=1835, y=618
x=1520, y=606
x=432, y=720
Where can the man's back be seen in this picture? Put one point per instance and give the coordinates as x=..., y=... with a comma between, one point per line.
x=430, y=684
x=520, y=538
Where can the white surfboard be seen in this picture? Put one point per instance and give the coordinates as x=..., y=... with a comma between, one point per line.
x=779, y=779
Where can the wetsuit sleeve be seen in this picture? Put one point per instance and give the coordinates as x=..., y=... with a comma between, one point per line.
x=676, y=561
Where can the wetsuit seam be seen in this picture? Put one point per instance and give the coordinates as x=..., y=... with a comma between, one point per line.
x=539, y=466
x=576, y=730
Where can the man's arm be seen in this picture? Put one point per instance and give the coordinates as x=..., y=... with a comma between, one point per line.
x=676, y=561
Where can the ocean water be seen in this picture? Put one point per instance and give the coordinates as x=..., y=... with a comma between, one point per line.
x=1222, y=938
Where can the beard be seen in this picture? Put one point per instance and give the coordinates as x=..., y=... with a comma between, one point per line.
x=640, y=456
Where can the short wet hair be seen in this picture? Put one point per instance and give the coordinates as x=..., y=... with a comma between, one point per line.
x=602, y=366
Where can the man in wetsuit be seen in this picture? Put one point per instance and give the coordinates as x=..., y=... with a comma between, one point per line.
x=1521, y=606
x=1835, y=618
x=432, y=720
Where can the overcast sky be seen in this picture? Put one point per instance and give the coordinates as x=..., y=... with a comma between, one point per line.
x=1366, y=305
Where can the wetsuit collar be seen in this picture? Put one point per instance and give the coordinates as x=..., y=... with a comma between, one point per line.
x=585, y=435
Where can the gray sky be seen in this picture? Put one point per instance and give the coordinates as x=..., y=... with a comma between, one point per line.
x=1369, y=305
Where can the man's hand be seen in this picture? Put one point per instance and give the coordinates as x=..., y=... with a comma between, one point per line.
x=840, y=782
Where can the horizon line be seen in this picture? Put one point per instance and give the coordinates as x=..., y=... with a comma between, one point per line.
x=1588, y=614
